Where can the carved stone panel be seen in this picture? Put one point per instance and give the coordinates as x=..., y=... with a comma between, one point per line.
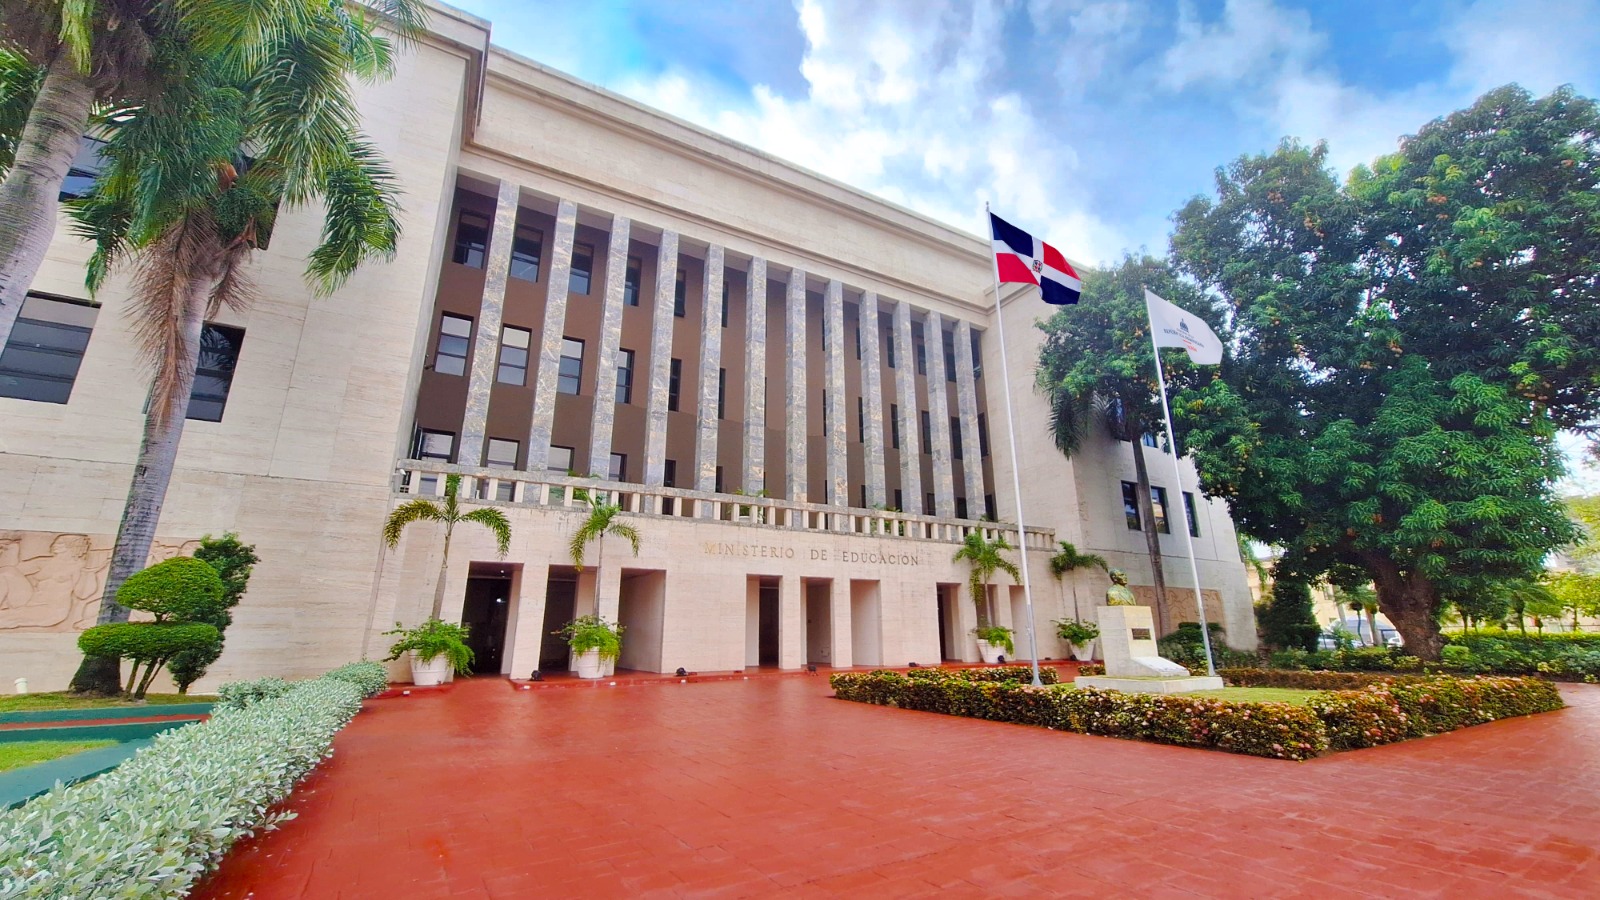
x=51, y=582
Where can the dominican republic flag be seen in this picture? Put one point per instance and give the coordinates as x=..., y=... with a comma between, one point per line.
x=1020, y=259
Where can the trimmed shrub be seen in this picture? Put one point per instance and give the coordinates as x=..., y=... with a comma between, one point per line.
x=239, y=694
x=1020, y=674
x=148, y=644
x=233, y=561
x=154, y=825
x=181, y=588
x=371, y=678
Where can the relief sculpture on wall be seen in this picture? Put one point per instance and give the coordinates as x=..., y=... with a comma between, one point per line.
x=51, y=582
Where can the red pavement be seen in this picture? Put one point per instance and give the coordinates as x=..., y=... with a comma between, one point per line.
x=768, y=786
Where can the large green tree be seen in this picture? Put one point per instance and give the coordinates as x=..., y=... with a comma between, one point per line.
x=1404, y=349
x=1097, y=368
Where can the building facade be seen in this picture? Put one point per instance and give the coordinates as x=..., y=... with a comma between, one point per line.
x=791, y=387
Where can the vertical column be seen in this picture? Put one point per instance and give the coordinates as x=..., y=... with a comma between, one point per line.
x=527, y=637
x=755, y=373
x=605, y=382
x=655, y=425
x=555, y=320
x=486, y=346
x=967, y=404
x=705, y=442
x=794, y=427
x=842, y=640
x=872, y=394
x=791, y=619
x=905, y=391
x=838, y=421
x=944, y=488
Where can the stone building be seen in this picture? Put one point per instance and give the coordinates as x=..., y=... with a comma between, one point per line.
x=792, y=387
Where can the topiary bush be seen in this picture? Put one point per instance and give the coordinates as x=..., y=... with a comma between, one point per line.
x=148, y=644
x=182, y=589
x=233, y=560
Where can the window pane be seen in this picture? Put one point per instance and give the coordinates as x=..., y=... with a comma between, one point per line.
x=1158, y=509
x=87, y=165
x=955, y=438
x=472, y=239
x=502, y=454
x=1130, y=504
x=40, y=362
x=624, y=375
x=630, y=282
x=437, y=445
x=455, y=333
x=219, y=354
x=560, y=461
x=582, y=269
x=525, y=249
x=679, y=296
x=674, y=384
x=619, y=467
x=513, y=367
x=1188, y=509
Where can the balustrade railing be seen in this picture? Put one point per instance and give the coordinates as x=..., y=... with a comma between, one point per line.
x=512, y=487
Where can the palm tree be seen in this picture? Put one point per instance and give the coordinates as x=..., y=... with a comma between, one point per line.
x=602, y=521
x=1361, y=599
x=180, y=200
x=1069, y=560
x=449, y=514
x=984, y=557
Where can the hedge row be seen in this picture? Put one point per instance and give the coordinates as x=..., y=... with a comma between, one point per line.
x=1276, y=730
x=1473, y=655
x=1019, y=674
x=154, y=825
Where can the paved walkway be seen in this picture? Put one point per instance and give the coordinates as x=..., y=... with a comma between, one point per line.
x=769, y=786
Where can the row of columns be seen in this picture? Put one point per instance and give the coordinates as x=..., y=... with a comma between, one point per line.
x=753, y=475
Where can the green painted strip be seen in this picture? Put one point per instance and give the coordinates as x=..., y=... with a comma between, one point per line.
x=21, y=785
x=92, y=713
x=131, y=731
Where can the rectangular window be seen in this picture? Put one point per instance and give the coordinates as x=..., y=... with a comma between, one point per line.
x=570, y=379
x=888, y=346
x=919, y=347
x=582, y=269
x=1188, y=510
x=674, y=384
x=899, y=500
x=716, y=482
x=41, y=360
x=950, y=357
x=631, y=281
x=624, y=376
x=983, y=435
x=989, y=510
x=722, y=393
x=501, y=454
x=439, y=445
x=619, y=467
x=87, y=165
x=680, y=296
x=961, y=507
x=861, y=420
x=1148, y=439
x=824, y=409
x=1158, y=509
x=977, y=357
x=927, y=504
x=455, y=344
x=894, y=425
x=560, y=461
x=213, y=374
x=955, y=438
x=472, y=238
x=513, y=355
x=1130, y=505
x=527, y=245
x=927, y=432
x=864, y=497
x=725, y=303
x=858, y=339
x=669, y=478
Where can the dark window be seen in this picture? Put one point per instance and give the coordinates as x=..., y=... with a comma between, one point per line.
x=680, y=296
x=513, y=355
x=927, y=432
x=977, y=357
x=989, y=509
x=582, y=269
x=630, y=282
x=899, y=500
x=440, y=445
x=858, y=338
x=619, y=467
x=950, y=358
x=717, y=481
x=983, y=435
x=888, y=346
x=1148, y=439
x=722, y=393
x=455, y=344
x=955, y=438
x=526, y=247
x=1158, y=509
x=824, y=412
x=861, y=420
x=560, y=461
x=472, y=238
x=87, y=165
x=500, y=454
x=213, y=375
x=624, y=376
x=40, y=361
x=864, y=497
x=961, y=507
x=669, y=473
x=570, y=379
x=919, y=347
x=927, y=504
x=1188, y=509
x=1130, y=504
x=674, y=384
x=894, y=425
x=725, y=303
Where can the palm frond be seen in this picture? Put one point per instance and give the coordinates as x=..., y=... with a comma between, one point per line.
x=1069, y=418
x=177, y=273
x=626, y=532
x=588, y=531
x=406, y=513
x=361, y=197
x=1069, y=559
x=19, y=85
x=496, y=521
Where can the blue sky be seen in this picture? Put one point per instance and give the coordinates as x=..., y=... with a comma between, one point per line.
x=1085, y=121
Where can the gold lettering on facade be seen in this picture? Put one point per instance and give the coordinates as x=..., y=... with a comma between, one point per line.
x=875, y=557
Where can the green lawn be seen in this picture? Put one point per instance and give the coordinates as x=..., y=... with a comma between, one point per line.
x=26, y=753
x=1256, y=695
x=64, y=700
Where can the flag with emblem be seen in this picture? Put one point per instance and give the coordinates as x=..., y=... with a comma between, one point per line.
x=1174, y=326
x=1020, y=259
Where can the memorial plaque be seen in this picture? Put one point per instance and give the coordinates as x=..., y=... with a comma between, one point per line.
x=1141, y=634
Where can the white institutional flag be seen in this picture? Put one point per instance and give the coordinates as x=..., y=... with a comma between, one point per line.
x=1175, y=327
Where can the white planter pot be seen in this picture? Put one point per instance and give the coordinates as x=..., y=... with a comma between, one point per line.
x=990, y=653
x=608, y=667
x=589, y=664
x=1083, y=652
x=431, y=672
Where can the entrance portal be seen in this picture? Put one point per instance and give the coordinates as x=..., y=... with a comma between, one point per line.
x=948, y=626
x=560, y=607
x=484, y=614
x=819, y=620
x=767, y=624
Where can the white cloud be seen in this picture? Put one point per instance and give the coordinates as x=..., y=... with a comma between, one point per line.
x=1252, y=35
x=1541, y=44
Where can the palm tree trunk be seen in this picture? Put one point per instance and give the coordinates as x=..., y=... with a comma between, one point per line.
x=28, y=196
x=1152, y=539
x=1372, y=626
x=152, y=473
x=444, y=567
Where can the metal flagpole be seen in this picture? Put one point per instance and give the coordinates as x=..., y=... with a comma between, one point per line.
x=1011, y=435
x=1177, y=474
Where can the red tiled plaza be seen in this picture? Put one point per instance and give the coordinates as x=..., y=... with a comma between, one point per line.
x=769, y=786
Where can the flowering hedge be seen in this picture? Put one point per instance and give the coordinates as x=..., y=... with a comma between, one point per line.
x=154, y=825
x=1020, y=674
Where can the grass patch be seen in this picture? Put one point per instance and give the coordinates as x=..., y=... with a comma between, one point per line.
x=1255, y=695
x=27, y=753
x=64, y=700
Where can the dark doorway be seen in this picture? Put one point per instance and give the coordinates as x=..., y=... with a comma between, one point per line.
x=484, y=614
x=944, y=627
x=767, y=630
x=560, y=606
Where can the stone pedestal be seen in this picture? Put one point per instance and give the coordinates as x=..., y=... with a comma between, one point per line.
x=1128, y=641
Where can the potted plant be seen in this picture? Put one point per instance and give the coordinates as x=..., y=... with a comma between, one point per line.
x=449, y=515
x=993, y=640
x=436, y=649
x=595, y=645
x=1080, y=636
x=603, y=519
